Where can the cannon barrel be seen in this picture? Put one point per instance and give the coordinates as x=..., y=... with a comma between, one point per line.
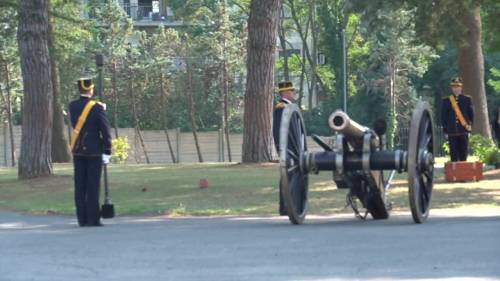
x=379, y=160
x=340, y=122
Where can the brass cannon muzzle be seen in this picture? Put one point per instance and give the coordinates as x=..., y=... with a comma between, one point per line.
x=340, y=122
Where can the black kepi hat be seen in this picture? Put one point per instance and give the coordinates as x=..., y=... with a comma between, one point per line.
x=85, y=84
x=285, y=86
x=456, y=82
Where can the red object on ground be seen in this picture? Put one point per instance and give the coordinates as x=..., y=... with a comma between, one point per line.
x=463, y=171
x=203, y=183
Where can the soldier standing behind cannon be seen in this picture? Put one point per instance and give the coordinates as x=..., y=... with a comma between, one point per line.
x=496, y=125
x=91, y=147
x=287, y=96
x=457, y=116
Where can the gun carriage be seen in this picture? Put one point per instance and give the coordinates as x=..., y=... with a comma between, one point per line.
x=358, y=161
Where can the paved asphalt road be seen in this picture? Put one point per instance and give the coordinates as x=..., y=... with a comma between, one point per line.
x=450, y=246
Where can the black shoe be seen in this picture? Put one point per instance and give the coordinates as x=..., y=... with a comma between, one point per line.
x=95, y=224
x=283, y=212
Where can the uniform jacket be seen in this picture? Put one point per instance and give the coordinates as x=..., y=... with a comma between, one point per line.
x=94, y=138
x=496, y=123
x=451, y=125
x=278, y=111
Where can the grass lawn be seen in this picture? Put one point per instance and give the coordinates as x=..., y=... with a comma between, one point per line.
x=235, y=189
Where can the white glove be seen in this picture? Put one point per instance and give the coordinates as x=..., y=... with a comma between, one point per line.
x=105, y=158
x=103, y=105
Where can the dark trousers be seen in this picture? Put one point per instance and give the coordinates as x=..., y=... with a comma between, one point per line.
x=459, y=147
x=87, y=180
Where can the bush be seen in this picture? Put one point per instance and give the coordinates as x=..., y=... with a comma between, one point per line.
x=492, y=156
x=120, y=150
x=485, y=149
x=446, y=148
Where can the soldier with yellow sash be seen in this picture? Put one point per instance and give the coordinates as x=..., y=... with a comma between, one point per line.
x=457, y=116
x=496, y=125
x=287, y=96
x=91, y=147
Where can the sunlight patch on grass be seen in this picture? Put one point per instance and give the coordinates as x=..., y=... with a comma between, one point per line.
x=323, y=186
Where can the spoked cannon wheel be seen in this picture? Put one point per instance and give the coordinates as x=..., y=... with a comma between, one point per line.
x=294, y=177
x=421, y=147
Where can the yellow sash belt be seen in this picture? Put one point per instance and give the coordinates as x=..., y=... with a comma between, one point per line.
x=458, y=113
x=81, y=121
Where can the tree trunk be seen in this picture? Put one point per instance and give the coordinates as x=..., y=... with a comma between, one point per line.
x=262, y=27
x=225, y=82
x=302, y=80
x=282, y=37
x=8, y=108
x=393, y=115
x=36, y=140
x=471, y=68
x=226, y=114
x=162, y=115
x=114, y=93
x=60, y=147
x=192, y=113
x=224, y=96
x=314, y=35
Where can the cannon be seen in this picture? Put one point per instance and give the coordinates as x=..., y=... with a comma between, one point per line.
x=359, y=162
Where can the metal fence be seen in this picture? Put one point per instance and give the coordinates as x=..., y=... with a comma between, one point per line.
x=212, y=145
x=403, y=133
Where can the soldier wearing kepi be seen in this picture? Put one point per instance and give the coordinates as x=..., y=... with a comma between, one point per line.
x=91, y=147
x=457, y=116
x=496, y=125
x=287, y=96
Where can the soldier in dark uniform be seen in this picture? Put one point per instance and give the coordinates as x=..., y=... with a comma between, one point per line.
x=457, y=121
x=496, y=125
x=91, y=149
x=287, y=96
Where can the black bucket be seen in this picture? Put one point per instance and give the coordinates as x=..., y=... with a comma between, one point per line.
x=107, y=209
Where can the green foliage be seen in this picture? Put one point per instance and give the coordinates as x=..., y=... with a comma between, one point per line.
x=381, y=39
x=332, y=20
x=492, y=156
x=446, y=148
x=493, y=82
x=436, y=22
x=490, y=13
x=73, y=46
x=10, y=71
x=316, y=121
x=120, y=150
x=392, y=66
x=485, y=149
